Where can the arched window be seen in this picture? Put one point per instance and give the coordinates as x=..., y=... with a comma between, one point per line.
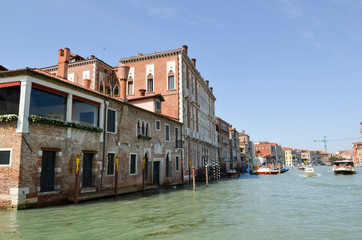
x=143, y=129
x=108, y=90
x=138, y=128
x=147, y=129
x=150, y=83
x=101, y=87
x=116, y=91
x=171, y=81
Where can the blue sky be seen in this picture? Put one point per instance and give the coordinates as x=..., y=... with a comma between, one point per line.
x=284, y=71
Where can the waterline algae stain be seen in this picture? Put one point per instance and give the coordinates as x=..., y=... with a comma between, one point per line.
x=285, y=206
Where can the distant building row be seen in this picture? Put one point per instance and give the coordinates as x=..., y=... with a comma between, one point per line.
x=276, y=154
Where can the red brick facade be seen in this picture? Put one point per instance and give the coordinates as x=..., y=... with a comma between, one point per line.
x=28, y=145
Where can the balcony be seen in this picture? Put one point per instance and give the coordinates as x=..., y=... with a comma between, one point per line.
x=179, y=144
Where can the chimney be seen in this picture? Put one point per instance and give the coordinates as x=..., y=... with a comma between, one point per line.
x=207, y=83
x=63, y=61
x=139, y=54
x=123, y=76
x=184, y=47
x=92, y=56
x=211, y=89
x=194, y=61
x=243, y=131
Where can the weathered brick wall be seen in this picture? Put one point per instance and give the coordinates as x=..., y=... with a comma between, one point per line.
x=47, y=137
x=28, y=153
x=126, y=137
x=9, y=175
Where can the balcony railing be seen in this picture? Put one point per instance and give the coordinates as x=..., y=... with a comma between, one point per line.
x=178, y=144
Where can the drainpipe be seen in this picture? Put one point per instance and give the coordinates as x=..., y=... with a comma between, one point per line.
x=104, y=140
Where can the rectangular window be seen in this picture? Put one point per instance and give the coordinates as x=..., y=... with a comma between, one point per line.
x=133, y=164
x=110, y=164
x=177, y=141
x=5, y=156
x=111, y=121
x=150, y=85
x=85, y=113
x=158, y=104
x=46, y=104
x=171, y=82
x=158, y=125
x=9, y=100
x=130, y=88
x=167, y=131
x=177, y=164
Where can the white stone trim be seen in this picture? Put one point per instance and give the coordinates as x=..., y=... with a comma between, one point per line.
x=130, y=158
x=10, y=157
x=24, y=106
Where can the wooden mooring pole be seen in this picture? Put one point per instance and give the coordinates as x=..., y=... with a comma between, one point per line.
x=143, y=174
x=207, y=176
x=77, y=161
x=116, y=178
x=193, y=178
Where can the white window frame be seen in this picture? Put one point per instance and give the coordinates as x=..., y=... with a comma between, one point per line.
x=10, y=157
x=114, y=163
x=130, y=161
x=157, y=129
x=115, y=121
x=116, y=86
x=86, y=74
x=169, y=132
x=71, y=77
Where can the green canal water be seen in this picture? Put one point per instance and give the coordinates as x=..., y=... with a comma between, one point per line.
x=285, y=206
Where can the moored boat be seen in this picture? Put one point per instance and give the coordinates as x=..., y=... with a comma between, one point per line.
x=309, y=171
x=344, y=167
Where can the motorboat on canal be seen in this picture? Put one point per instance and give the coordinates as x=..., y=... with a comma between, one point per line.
x=283, y=170
x=309, y=172
x=344, y=167
x=266, y=171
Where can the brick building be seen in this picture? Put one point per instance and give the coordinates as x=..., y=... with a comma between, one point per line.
x=345, y=154
x=246, y=149
x=46, y=120
x=271, y=151
x=357, y=153
x=187, y=98
x=234, y=148
x=222, y=127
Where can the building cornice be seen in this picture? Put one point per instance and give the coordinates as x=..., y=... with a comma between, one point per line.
x=155, y=55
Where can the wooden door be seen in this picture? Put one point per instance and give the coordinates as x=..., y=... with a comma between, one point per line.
x=47, y=177
x=87, y=170
x=156, y=173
